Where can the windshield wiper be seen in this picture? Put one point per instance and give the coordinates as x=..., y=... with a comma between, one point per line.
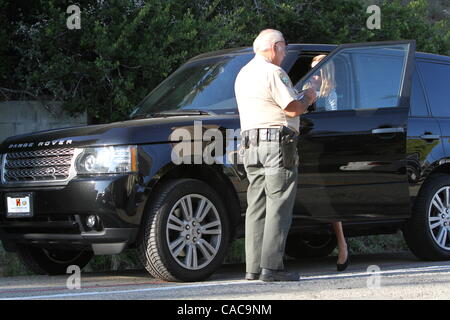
x=171, y=113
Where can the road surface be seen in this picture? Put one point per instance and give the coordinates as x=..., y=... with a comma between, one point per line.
x=381, y=276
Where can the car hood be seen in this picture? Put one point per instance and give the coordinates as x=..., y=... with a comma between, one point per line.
x=143, y=131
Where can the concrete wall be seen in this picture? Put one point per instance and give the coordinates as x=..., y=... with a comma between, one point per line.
x=17, y=117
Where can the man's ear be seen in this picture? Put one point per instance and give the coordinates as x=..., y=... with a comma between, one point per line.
x=275, y=47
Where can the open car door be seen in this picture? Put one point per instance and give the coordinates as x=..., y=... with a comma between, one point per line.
x=352, y=143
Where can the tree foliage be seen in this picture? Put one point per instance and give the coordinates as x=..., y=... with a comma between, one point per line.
x=126, y=47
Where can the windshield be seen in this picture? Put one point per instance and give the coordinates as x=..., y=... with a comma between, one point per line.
x=199, y=85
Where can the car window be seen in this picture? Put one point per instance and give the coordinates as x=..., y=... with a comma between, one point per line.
x=205, y=85
x=360, y=78
x=301, y=66
x=418, y=102
x=436, y=78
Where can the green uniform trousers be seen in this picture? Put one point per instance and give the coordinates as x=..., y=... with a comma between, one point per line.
x=270, y=197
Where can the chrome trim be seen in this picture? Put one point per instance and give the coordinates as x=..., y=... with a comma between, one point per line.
x=72, y=174
x=387, y=130
x=2, y=169
x=430, y=137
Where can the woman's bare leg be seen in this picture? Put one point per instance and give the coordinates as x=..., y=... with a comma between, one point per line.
x=342, y=244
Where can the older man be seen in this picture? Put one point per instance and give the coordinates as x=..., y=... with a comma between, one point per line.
x=269, y=109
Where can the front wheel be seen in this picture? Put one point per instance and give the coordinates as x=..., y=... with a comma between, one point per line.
x=185, y=233
x=427, y=232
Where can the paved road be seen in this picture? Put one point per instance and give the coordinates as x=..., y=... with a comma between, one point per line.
x=400, y=276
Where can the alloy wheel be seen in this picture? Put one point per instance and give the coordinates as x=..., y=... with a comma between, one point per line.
x=194, y=231
x=439, y=218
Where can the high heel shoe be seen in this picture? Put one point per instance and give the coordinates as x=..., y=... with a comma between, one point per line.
x=343, y=266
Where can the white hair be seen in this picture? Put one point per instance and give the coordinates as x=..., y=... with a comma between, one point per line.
x=265, y=39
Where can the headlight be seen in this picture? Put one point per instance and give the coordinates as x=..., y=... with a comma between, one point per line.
x=121, y=159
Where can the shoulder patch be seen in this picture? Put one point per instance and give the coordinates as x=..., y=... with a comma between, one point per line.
x=284, y=78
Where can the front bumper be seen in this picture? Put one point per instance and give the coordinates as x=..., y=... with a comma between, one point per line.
x=60, y=214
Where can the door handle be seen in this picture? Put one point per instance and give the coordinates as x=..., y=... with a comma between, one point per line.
x=387, y=130
x=430, y=137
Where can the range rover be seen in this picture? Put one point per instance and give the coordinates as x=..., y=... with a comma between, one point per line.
x=380, y=163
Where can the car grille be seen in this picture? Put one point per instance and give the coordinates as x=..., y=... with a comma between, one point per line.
x=39, y=165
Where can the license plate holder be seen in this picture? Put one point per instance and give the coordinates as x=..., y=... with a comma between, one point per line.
x=19, y=205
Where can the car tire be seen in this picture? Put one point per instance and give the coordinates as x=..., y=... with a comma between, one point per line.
x=185, y=232
x=314, y=246
x=427, y=232
x=51, y=261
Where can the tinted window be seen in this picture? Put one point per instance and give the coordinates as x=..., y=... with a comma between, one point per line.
x=418, y=102
x=206, y=85
x=436, y=78
x=360, y=78
x=301, y=67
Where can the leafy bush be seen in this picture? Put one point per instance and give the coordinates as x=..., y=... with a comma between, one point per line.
x=10, y=265
x=125, y=48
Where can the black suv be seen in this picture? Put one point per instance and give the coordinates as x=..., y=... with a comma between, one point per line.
x=379, y=163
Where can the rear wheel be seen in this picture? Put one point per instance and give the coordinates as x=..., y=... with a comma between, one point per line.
x=298, y=246
x=52, y=261
x=185, y=233
x=427, y=232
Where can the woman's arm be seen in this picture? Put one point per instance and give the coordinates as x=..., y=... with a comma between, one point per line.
x=331, y=101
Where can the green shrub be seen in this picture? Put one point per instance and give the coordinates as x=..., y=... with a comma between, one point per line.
x=10, y=265
x=125, y=261
x=125, y=48
x=377, y=244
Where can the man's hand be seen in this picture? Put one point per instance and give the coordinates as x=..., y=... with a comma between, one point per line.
x=309, y=96
x=298, y=107
x=315, y=82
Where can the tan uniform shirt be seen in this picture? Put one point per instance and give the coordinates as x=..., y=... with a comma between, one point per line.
x=263, y=90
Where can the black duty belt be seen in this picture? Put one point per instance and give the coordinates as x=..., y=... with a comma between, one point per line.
x=254, y=136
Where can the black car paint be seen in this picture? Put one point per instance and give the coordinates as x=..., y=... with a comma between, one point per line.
x=121, y=200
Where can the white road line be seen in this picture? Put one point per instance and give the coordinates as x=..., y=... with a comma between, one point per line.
x=63, y=295
x=367, y=274
x=225, y=283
